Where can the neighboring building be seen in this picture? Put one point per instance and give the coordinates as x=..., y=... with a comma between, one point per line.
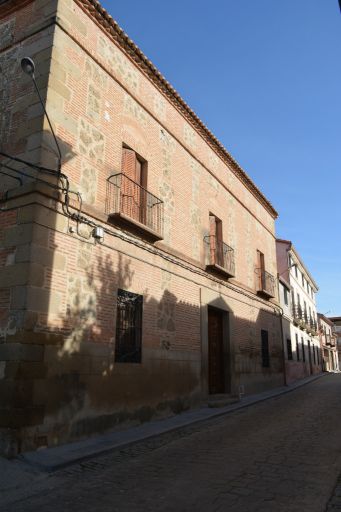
x=328, y=341
x=142, y=279
x=337, y=333
x=298, y=300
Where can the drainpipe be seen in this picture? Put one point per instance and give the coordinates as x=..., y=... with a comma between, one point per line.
x=282, y=336
x=283, y=349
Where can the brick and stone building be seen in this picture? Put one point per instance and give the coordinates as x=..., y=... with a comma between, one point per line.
x=328, y=342
x=299, y=319
x=139, y=280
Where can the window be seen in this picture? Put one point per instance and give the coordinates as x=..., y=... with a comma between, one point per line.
x=303, y=349
x=128, y=327
x=285, y=290
x=296, y=271
x=265, y=349
x=289, y=349
x=297, y=348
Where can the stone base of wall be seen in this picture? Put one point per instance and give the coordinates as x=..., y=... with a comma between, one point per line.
x=257, y=383
x=66, y=397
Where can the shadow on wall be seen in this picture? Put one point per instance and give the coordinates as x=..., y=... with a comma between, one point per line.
x=87, y=390
x=15, y=173
x=75, y=386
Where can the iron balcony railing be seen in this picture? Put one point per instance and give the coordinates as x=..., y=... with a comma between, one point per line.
x=219, y=255
x=304, y=319
x=297, y=312
x=128, y=199
x=313, y=326
x=266, y=282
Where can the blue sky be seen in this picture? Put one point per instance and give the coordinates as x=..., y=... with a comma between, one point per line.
x=265, y=77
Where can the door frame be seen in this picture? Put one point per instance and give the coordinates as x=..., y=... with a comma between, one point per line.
x=209, y=298
x=224, y=364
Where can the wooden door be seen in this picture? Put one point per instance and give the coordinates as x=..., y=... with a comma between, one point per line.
x=216, y=377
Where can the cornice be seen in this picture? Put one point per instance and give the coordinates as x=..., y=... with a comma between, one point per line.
x=94, y=9
x=9, y=6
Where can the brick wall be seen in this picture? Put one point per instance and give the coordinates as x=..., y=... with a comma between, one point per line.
x=62, y=353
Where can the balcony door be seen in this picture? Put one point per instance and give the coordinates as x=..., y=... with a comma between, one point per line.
x=216, y=241
x=133, y=187
x=261, y=271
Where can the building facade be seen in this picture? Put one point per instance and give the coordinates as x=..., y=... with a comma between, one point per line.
x=298, y=300
x=336, y=320
x=140, y=279
x=328, y=342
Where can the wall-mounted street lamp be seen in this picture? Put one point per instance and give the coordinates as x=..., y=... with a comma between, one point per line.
x=28, y=67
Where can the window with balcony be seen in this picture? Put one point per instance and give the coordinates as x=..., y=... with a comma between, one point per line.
x=265, y=283
x=129, y=202
x=219, y=256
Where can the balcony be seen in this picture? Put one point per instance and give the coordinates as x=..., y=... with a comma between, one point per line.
x=299, y=316
x=129, y=204
x=266, y=283
x=313, y=325
x=219, y=256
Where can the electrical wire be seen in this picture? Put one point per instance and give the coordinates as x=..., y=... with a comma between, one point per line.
x=80, y=218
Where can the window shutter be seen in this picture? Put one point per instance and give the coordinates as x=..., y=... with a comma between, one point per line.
x=138, y=172
x=261, y=269
x=213, y=225
x=129, y=163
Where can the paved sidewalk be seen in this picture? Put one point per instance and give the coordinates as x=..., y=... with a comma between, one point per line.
x=51, y=459
x=272, y=457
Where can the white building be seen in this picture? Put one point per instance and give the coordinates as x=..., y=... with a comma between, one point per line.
x=297, y=290
x=336, y=320
x=328, y=342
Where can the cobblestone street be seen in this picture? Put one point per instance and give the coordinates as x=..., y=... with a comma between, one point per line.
x=283, y=454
